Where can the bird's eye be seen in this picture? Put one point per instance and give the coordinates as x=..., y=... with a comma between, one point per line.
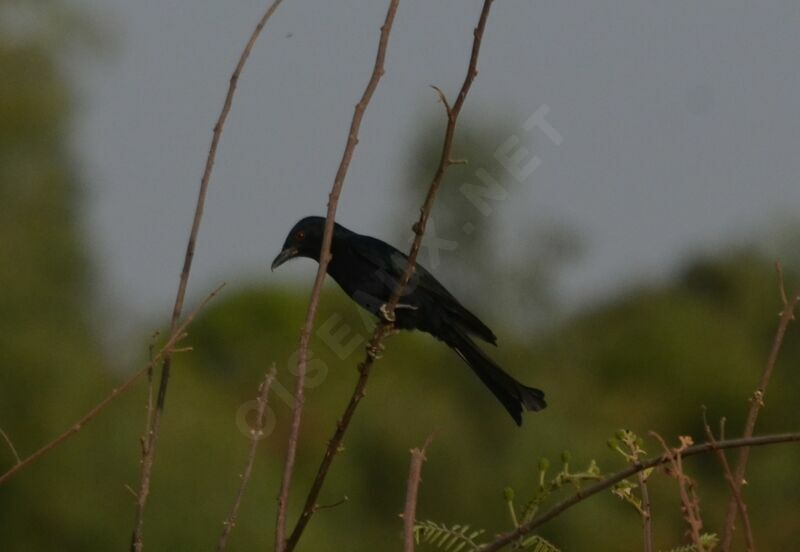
x=300, y=235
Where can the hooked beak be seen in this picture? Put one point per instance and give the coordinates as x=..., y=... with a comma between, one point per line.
x=283, y=256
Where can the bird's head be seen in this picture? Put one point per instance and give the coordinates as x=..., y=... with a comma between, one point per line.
x=304, y=240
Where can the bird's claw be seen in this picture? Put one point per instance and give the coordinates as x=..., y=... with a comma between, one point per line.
x=387, y=315
x=392, y=316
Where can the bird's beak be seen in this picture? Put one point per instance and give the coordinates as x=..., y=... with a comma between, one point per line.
x=283, y=256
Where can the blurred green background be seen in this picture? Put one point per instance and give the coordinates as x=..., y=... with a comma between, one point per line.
x=644, y=359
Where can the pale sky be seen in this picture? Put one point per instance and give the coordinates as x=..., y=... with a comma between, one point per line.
x=680, y=123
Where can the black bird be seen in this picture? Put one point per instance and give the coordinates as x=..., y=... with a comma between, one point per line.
x=368, y=270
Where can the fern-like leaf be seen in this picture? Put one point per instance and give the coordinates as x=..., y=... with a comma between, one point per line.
x=708, y=541
x=458, y=538
x=462, y=538
x=535, y=543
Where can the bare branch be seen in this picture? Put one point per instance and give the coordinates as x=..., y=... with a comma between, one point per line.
x=153, y=430
x=444, y=159
x=582, y=494
x=324, y=259
x=256, y=434
x=169, y=346
x=781, y=284
x=647, y=512
x=690, y=503
x=145, y=439
x=10, y=444
x=385, y=328
x=443, y=99
x=332, y=449
x=726, y=470
x=756, y=402
x=412, y=489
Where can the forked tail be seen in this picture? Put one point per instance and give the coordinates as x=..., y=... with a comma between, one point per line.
x=513, y=395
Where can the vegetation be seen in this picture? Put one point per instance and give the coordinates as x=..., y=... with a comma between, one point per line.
x=646, y=359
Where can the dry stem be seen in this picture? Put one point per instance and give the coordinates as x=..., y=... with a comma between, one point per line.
x=10, y=444
x=412, y=490
x=324, y=259
x=690, y=503
x=256, y=434
x=726, y=470
x=756, y=402
x=152, y=431
x=647, y=512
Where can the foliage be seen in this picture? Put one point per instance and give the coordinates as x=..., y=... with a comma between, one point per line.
x=563, y=478
x=459, y=538
x=709, y=541
x=452, y=539
x=630, y=446
x=445, y=537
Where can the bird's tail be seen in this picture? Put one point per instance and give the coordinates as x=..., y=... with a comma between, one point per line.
x=514, y=396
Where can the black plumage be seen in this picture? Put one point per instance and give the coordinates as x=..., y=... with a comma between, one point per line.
x=368, y=269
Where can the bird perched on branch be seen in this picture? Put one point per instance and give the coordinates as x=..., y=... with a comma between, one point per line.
x=368, y=270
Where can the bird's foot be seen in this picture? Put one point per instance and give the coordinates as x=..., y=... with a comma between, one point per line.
x=391, y=316
x=387, y=315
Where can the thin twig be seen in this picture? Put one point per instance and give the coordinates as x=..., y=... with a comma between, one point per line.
x=145, y=439
x=7, y=439
x=690, y=503
x=385, y=327
x=582, y=494
x=256, y=434
x=726, y=470
x=445, y=159
x=334, y=446
x=412, y=490
x=756, y=402
x=336, y=504
x=153, y=431
x=781, y=283
x=647, y=512
x=169, y=346
x=324, y=258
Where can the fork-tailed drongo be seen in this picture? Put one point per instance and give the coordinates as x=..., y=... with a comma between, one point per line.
x=368, y=270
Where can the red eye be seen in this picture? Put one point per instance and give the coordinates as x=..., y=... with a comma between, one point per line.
x=300, y=235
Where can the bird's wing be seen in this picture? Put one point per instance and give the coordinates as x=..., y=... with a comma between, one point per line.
x=391, y=262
